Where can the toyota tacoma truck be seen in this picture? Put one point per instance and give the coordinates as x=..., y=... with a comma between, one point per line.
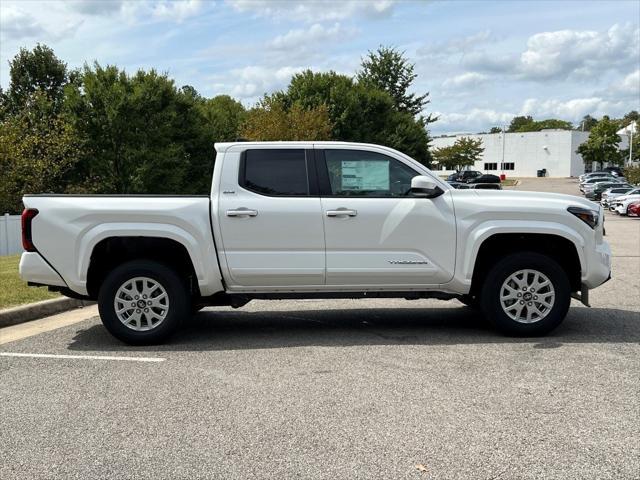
x=295, y=220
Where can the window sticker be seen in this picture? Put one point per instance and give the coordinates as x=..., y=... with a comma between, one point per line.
x=365, y=175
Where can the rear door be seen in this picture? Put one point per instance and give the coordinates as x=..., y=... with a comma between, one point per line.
x=270, y=219
x=376, y=233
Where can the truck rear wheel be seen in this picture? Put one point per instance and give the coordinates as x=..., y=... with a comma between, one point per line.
x=526, y=294
x=143, y=302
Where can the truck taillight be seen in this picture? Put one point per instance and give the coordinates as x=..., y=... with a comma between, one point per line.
x=27, y=217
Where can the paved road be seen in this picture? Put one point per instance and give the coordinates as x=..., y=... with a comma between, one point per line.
x=336, y=390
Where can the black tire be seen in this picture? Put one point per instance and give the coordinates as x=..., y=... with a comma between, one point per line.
x=490, y=294
x=179, y=302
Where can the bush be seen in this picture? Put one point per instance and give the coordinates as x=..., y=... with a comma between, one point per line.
x=632, y=174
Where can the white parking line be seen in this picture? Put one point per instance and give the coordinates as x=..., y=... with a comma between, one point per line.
x=83, y=357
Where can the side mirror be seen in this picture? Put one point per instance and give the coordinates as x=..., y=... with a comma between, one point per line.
x=424, y=187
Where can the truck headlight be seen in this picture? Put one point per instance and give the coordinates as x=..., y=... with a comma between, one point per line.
x=590, y=217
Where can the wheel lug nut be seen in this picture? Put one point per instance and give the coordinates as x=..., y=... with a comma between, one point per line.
x=137, y=297
x=535, y=297
x=149, y=302
x=133, y=304
x=146, y=309
x=137, y=310
x=144, y=296
x=529, y=303
x=524, y=289
x=521, y=302
x=532, y=290
x=519, y=294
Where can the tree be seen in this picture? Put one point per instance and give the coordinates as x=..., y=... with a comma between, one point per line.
x=142, y=134
x=528, y=124
x=602, y=145
x=495, y=130
x=587, y=123
x=223, y=116
x=387, y=69
x=32, y=70
x=38, y=151
x=464, y=152
x=270, y=120
x=359, y=112
x=518, y=124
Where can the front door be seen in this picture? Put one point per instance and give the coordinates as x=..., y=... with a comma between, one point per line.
x=270, y=219
x=376, y=233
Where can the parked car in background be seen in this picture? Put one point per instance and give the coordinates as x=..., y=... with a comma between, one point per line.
x=485, y=186
x=586, y=176
x=621, y=204
x=591, y=180
x=612, y=194
x=596, y=193
x=466, y=176
x=486, y=178
x=634, y=209
x=615, y=171
x=590, y=187
x=463, y=176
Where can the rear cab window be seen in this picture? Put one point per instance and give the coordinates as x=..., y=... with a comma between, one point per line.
x=275, y=172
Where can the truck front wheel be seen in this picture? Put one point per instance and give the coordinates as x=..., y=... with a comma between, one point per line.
x=143, y=302
x=526, y=294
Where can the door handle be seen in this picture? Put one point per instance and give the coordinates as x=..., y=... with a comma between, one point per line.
x=242, y=212
x=342, y=212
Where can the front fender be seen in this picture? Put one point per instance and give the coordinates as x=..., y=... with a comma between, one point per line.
x=471, y=244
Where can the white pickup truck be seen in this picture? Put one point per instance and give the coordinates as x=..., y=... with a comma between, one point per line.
x=316, y=220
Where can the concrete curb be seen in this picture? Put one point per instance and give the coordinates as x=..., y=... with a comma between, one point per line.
x=32, y=311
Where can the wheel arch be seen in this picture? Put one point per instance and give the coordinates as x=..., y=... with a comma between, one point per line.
x=563, y=246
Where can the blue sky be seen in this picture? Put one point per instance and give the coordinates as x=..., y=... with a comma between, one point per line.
x=482, y=62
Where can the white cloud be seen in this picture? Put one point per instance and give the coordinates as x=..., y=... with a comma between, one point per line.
x=316, y=34
x=630, y=85
x=253, y=81
x=455, y=46
x=566, y=53
x=96, y=7
x=176, y=10
x=474, y=120
x=315, y=10
x=465, y=80
x=573, y=109
x=17, y=24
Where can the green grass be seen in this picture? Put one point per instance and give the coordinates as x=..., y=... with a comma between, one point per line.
x=13, y=291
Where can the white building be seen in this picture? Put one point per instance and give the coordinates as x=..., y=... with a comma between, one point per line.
x=523, y=154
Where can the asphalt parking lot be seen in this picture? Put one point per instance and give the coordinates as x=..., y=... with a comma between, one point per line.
x=336, y=390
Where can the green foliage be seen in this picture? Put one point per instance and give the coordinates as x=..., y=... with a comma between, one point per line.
x=388, y=70
x=271, y=120
x=602, y=145
x=223, y=116
x=359, y=112
x=38, y=150
x=632, y=174
x=587, y=123
x=495, y=130
x=464, y=152
x=35, y=70
x=101, y=130
x=142, y=134
x=528, y=124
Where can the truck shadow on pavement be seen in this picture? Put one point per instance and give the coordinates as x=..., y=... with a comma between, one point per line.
x=241, y=330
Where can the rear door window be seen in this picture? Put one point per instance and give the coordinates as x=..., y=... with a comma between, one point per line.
x=275, y=172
